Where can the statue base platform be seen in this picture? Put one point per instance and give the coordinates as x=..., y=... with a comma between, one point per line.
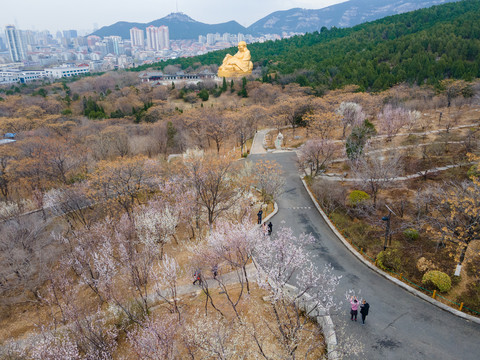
x=228, y=74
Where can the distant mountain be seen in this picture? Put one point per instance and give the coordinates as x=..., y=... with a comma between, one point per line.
x=180, y=27
x=346, y=14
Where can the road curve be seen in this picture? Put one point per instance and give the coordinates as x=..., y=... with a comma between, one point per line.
x=400, y=325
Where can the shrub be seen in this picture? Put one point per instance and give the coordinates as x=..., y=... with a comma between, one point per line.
x=203, y=94
x=356, y=197
x=389, y=260
x=438, y=279
x=411, y=234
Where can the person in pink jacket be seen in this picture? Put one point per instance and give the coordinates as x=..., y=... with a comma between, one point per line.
x=355, y=304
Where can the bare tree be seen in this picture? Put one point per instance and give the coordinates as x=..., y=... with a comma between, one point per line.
x=215, y=184
x=267, y=180
x=376, y=173
x=316, y=155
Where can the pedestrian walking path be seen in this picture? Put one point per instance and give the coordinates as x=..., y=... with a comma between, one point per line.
x=339, y=177
x=228, y=278
x=258, y=145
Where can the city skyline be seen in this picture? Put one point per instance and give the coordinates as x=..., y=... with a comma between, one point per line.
x=50, y=14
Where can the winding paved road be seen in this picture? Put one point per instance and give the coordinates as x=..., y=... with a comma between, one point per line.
x=400, y=325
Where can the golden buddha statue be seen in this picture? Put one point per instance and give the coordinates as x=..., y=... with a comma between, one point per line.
x=238, y=64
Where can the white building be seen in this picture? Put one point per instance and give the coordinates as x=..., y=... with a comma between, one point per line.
x=16, y=44
x=136, y=37
x=20, y=76
x=66, y=71
x=158, y=38
x=164, y=37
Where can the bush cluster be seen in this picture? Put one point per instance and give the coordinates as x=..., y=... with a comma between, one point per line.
x=411, y=234
x=437, y=279
x=356, y=197
x=389, y=260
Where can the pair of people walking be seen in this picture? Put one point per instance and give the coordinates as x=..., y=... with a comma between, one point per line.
x=267, y=229
x=364, y=308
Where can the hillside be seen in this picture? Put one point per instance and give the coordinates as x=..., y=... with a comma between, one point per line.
x=426, y=45
x=346, y=14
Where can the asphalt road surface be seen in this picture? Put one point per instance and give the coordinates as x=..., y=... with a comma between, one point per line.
x=399, y=325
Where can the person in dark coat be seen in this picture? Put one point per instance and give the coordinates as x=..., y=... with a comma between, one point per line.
x=364, y=307
x=259, y=215
x=270, y=228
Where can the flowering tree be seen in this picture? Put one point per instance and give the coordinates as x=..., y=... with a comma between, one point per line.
x=392, y=119
x=234, y=244
x=155, y=338
x=53, y=347
x=284, y=260
x=352, y=115
x=167, y=282
x=215, y=337
x=155, y=225
x=136, y=260
x=90, y=256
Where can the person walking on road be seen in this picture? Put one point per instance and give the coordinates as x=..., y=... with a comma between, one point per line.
x=198, y=277
x=264, y=229
x=270, y=228
x=354, y=311
x=364, y=307
x=259, y=216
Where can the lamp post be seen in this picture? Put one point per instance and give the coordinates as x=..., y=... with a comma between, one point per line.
x=387, y=227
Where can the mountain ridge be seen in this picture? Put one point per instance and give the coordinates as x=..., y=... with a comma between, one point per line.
x=296, y=20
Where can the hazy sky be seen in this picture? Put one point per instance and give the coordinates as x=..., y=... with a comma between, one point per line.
x=56, y=15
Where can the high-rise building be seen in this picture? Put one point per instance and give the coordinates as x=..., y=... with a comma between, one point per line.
x=16, y=45
x=158, y=38
x=136, y=37
x=113, y=44
x=210, y=39
x=152, y=36
x=164, y=37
